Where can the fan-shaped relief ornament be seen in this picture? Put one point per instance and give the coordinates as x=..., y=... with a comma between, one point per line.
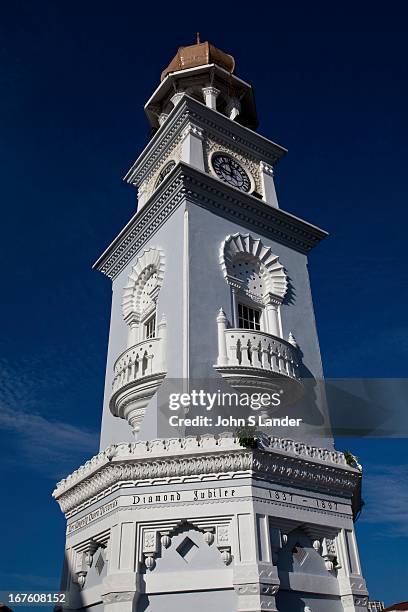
x=144, y=283
x=248, y=264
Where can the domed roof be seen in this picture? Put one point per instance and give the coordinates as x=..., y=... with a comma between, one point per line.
x=198, y=55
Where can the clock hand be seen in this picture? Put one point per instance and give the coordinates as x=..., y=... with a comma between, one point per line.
x=227, y=169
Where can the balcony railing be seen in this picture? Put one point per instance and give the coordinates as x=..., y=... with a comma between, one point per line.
x=253, y=349
x=249, y=359
x=138, y=373
x=141, y=360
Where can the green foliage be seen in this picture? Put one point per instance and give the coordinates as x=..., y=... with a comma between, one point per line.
x=350, y=458
x=247, y=437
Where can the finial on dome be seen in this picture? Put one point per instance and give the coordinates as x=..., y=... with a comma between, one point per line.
x=198, y=38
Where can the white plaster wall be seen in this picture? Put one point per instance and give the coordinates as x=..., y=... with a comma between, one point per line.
x=170, y=239
x=216, y=601
x=209, y=292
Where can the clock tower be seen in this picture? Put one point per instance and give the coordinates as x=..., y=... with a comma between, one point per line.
x=211, y=291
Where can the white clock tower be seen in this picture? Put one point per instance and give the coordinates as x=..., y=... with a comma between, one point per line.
x=210, y=284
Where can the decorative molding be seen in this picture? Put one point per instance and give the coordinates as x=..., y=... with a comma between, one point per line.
x=194, y=130
x=329, y=554
x=250, y=163
x=121, y=596
x=151, y=260
x=211, y=90
x=216, y=125
x=266, y=168
x=350, y=601
x=142, y=226
x=160, y=146
x=153, y=180
x=189, y=184
x=274, y=465
x=156, y=537
x=174, y=447
x=244, y=244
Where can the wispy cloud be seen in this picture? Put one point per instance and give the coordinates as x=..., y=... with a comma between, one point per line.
x=386, y=495
x=50, y=446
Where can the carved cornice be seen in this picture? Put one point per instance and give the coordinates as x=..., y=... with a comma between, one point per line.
x=215, y=125
x=278, y=461
x=186, y=184
x=249, y=211
x=142, y=225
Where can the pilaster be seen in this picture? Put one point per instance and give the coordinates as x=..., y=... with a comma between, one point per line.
x=352, y=586
x=256, y=579
x=268, y=185
x=192, y=152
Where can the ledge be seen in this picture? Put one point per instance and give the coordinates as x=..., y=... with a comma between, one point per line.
x=214, y=123
x=187, y=184
x=277, y=460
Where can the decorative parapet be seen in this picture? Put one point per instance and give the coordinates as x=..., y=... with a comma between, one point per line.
x=277, y=460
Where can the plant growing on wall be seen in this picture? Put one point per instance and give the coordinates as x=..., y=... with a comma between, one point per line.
x=247, y=437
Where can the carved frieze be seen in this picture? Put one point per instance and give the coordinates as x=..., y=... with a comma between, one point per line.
x=265, y=464
x=188, y=183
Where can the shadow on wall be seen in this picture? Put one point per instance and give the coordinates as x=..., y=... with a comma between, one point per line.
x=299, y=557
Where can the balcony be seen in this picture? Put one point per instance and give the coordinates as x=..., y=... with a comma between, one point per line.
x=253, y=361
x=138, y=373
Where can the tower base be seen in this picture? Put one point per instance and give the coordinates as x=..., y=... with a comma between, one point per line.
x=199, y=523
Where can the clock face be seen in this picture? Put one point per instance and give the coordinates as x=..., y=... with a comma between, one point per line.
x=165, y=171
x=231, y=172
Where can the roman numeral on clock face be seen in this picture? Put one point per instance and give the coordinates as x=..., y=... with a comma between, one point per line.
x=231, y=172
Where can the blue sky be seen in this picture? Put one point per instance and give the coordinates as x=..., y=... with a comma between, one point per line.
x=332, y=88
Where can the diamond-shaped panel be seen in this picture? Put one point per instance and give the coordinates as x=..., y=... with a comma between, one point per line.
x=100, y=564
x=187, y=549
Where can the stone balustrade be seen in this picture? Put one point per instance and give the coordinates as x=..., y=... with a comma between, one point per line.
x=254, y=349
x=138, y=373
x=143, y=359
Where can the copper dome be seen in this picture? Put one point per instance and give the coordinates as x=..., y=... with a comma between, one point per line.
x=198, y=55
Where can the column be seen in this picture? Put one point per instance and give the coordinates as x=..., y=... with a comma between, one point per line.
x=160, y=361
x=133, y=333
x=222, y=344
x=175, y=99
x=272, y=315
x=210, y=96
